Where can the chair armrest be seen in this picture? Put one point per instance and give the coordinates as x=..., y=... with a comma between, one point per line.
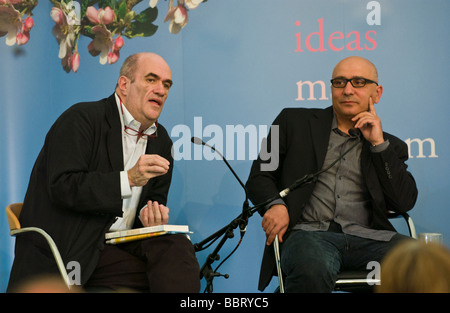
x=408, y=220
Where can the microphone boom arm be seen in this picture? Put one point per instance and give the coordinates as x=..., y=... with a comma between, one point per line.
x=206, y=270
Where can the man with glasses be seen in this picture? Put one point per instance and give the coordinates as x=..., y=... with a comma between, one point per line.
x=339, y=221
x=107, y=166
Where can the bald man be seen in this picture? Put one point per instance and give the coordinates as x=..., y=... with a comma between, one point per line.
x=107, y=166
x=340, y=220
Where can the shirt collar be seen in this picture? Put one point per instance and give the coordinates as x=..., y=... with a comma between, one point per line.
x=334, y=127
x=128, y=120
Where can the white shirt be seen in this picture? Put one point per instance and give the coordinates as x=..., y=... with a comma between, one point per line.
x=132, y=150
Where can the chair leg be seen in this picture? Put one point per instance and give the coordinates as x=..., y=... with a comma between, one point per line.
x=53, y=247
x=276, y=247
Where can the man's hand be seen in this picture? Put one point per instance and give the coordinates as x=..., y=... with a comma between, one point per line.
x=154, y=214
x=275, y=221
x=370, y=125
x=148, y=166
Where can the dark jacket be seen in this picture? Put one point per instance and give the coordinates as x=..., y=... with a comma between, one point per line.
x=303, y=143
x=74, y=191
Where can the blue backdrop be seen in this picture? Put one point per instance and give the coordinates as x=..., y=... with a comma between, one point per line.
x=235, y=66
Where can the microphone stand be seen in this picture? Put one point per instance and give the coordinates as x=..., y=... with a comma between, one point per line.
x=206, y=271
x=227, y=232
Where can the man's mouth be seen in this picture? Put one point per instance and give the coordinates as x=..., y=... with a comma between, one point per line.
x=348, y=102
x=156, y=101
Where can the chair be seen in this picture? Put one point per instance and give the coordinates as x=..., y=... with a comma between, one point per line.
x=350, y=281
x=13, y=213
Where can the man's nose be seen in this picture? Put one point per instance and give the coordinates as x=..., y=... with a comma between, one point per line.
x=159, y=89
x=348, y=89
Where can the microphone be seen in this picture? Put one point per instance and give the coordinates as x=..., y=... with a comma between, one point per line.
x=243, y=225
x=198, y=141
x=355, y=132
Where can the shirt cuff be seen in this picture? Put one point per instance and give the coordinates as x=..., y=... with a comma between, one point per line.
x=263, y=210
x=125, y=188
x=381, y=147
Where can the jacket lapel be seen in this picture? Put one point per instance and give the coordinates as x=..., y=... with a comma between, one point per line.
x=114, y=134
x=320, y=124
x=365, y=163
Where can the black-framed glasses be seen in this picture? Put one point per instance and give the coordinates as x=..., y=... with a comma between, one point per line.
x=133, y=132
x=357, y=82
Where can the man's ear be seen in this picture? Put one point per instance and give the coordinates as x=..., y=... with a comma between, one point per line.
x=122, y=84
x=379, y=93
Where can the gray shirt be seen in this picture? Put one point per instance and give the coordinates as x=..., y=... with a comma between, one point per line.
x=340, y=194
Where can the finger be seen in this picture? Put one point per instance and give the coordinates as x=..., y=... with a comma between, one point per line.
x=264, y=223
x=281, y=233
x=270, y=239
x=155, y=169
x=364, y=121
x=144, y=216
x=151, y=214
x=360, y=115
x=156, y=213
x=164, y=214
x=267, y=228
x=271, y=232
x=372, y=107
x=154, y=159
x=152, y=163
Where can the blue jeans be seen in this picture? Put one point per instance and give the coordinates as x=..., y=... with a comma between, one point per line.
x=311, y=260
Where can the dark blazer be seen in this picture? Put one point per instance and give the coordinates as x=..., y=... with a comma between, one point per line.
x=303, y=143
x=74, y=190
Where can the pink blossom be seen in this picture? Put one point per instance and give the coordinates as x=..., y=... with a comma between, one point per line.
x=92, y=50
x=102, y=42
x=10, y=23
x=57, y=16
x=66, y=62
x=102, y=16
x=192, y=4
x=22, y=38
x=106, y=16
x=10, y=1
x=63, y=32
x=75, y=61
x=113, y=56
x=92, y=15
x=28, y=24
x=153, y=3
x=178, y=17
x=71, y=62
x=118, y=43
x=65, y=40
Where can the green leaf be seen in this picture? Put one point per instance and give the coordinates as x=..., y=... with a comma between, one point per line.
x=84, y=5
x=122, y=9
x=142, y=25
x=106, y=3
x=141, y=30
x=148, y=15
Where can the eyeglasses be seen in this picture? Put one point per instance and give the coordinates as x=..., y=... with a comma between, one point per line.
x=357, y=82
x=133, y=132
